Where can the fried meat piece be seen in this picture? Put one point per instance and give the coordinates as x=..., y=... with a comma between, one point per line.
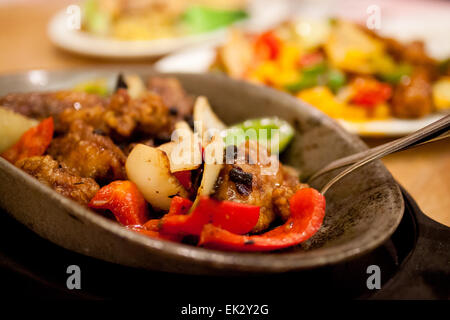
x=40, y=105
x=247, y=183
x=48, y=172
x=282, y=194
x=412, y=52
x=124, y=116
x=172, y=93
x=148, y=114
x=412, y=96
x=85, y=153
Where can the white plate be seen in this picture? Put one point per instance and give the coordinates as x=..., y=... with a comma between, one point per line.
x=388, y=128
x=86, y=44
x=199, y=59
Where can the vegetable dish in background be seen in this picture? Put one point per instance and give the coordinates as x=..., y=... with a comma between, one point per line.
x=155, y=19
x=343, y=69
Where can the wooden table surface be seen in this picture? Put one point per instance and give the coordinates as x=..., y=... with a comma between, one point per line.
x=424, y=171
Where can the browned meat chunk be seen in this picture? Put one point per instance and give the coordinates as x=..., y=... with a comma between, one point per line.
x=179, y=102
x=88, y=154
x=282, y=193
x=148, y=114
x=412, y=97
x=413, y=52
x=92, y=116
x=48, y=172
x=259, y=191
x=41, y=105
x=246, y=183
x=445, y=68
x=124, y=115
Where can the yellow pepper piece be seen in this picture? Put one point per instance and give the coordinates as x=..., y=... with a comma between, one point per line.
x=289, y=56
x=351, y=49
x=323, y=99
x=441, y=93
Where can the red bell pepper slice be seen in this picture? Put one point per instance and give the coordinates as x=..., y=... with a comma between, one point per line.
x=369, y=92
x=184, y=177
x=233, y=216
x=178, y=205
x=311, y=59
x=152, y=225
x=124, y=200
x=239, y=218
x=307, y=212
x=190, y=224
x=33, y=142
x=267, y=46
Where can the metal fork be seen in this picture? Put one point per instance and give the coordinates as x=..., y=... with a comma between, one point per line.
x=433, y=132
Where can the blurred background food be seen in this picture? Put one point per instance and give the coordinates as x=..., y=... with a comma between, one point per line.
x=365, y=64
x=131, y=29
x=154, y=19
x=340, y=67
x=391, y=77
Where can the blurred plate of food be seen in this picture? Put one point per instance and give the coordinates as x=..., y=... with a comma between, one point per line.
x=372, y=84
x=142, y=28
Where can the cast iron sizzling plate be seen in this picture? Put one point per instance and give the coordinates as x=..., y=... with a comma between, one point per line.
x=414, y=264
x=363, y=209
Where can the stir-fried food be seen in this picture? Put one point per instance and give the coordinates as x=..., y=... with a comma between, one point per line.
x=246, y=183
x=345, y=70
x=164, y=164
x=50, y=173
x=155, y=19
x=88, y=154
x=40, y=105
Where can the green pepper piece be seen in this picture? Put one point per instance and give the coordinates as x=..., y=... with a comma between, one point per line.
x=307, y=80
x=311, y=76
x=95, y=20
x=98, y=86
x=335, y=80
x=201, y=19
x=316, y=69
x=396, y=75
x=241, y=132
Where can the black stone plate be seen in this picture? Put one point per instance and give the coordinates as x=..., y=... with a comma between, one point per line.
x=363, y=209
x=414, y=264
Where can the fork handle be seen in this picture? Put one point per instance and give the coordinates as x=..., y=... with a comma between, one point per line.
x=435, y=131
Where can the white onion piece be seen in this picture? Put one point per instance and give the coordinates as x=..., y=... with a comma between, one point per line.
x=12, y=126
x=184, y=152
x=205, y=120
x=183, y=125
x=149, y=169
x=136, y=86
x=213, y=164
x=180, y=157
